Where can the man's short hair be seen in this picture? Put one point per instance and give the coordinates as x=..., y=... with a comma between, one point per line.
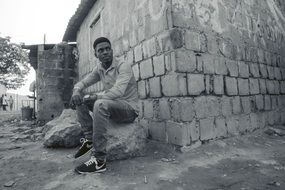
x=100, y=40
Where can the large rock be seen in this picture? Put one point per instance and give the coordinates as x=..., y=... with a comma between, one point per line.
x=63, y=131
x=125, y=140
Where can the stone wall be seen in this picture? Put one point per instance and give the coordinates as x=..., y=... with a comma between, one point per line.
x=205, y=69
x=55, y=77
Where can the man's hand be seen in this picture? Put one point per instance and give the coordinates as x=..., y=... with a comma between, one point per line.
x=76, y=99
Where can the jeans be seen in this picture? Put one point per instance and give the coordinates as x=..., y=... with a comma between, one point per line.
x=103, y=111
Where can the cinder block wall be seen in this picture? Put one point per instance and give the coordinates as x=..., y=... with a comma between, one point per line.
x=55, y=77
x=204, y=69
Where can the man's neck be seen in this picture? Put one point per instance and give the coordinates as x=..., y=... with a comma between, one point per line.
x=106, y=65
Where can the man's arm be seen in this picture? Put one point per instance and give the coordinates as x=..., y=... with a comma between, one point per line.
x=88, y=80
x=91, y=78
x=119, y=88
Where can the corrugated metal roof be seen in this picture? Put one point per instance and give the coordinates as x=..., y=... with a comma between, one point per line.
x=76, y=20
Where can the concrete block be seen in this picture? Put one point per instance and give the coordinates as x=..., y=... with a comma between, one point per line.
x=208, y=84
x=194, y=131
x=232, y=125
x=196, y=84
x=243, y=69
x=136, y=71
x=207, y=129
x=208, y=64
x=262, y=120
x=254, y=86
x=154, y=87
x=203, y=43
x=246, y=104
x=187, y=109
x=219, y=85
x=169, y=60
x=158, y=65
x=236, y=105
x=267, y=102
x=260, y=56
x=175, y=109
x=270, y=86
x=164, y=109
x=142, y=89
x=282, y=87
x=176, y=37
x=148, y=109
x=231, y=86
x=226, y=106
x=220, y=66
x=130, y=57
x=185, y=61
x=199, y=61
x=254, y=70
x=169, y=40
x=274, y=102
x=200, y=104
x=259, y=102
x=220, y=129
x=263, y=70
x=243, y=86
x=192, y=40
x=276, y=87
x=141, y=109
x=146, y=69
x=157, y=130
x=283, y=73
x=262, y=85
x=244, y=124
x=212, y=44
x=267, y=58
x=270, y=71
x=149, y=48
x=174, y=85
x=213, y=106
x=232, y=67
x=177, y=133
x=277, y=73
x=253, y=122
x=138, y=53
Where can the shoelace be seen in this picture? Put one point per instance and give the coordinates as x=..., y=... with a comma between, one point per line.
x=83, y=140
x=91, y=161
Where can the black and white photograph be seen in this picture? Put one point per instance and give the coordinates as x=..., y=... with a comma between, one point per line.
x=142, y=94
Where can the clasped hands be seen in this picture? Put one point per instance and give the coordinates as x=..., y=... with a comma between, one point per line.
x=77, y=99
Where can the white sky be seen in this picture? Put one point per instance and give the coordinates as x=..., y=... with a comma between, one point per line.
x=28, y=20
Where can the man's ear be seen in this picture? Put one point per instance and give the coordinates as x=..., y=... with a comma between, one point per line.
x=95, y=54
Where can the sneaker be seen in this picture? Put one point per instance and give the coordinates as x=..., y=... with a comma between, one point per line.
x=85, y=147
x=92, y=165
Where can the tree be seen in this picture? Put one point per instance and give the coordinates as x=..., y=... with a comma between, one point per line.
x=13, y=64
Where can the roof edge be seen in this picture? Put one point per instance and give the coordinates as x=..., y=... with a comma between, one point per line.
x=75, y=21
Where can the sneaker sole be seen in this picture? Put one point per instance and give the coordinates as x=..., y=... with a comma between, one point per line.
x=99, y=171
x=83, y=154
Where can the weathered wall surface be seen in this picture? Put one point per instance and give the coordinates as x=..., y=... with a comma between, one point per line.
x=205, y=69
x=55, y=79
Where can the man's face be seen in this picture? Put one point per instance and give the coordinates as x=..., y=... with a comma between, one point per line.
x=104, y=52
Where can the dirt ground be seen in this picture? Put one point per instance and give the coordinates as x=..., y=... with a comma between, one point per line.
x=250, y=162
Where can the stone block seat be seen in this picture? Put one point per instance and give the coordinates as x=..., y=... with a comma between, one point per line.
x=124, y=140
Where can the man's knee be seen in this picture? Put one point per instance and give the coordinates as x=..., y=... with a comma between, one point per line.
x=101, y=105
